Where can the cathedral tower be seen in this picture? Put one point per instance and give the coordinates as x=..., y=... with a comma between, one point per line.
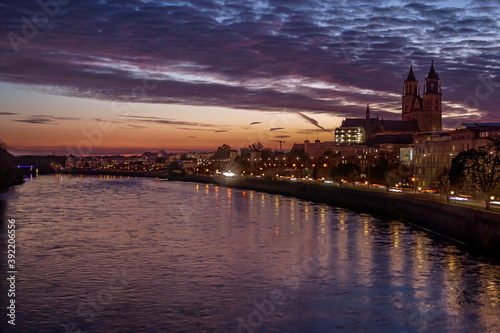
x=426, y=110
x=432, y=108
x=411, y=96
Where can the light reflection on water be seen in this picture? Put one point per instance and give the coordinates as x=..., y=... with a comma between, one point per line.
x=112, y=254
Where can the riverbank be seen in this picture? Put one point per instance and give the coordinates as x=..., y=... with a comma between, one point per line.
x=475, y=228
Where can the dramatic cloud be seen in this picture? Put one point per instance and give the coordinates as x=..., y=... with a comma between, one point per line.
x=321, y=56
x=313, y=121
x=179, y=124
x=43, y=119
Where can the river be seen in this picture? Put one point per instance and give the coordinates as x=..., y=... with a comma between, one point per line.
x=112, y=254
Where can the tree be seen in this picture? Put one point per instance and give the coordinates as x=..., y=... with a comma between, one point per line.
x=385, y=171
x=297, y=154
x=222, y=153
x=479, y=171
x=175, y=171
x=348, y=171
x=160, y=160
x=256, y=146
x=457, y=170
x=9, y=174
x=441, y=183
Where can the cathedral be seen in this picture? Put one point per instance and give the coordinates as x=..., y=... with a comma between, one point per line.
x=420, y=113
x=425, y=110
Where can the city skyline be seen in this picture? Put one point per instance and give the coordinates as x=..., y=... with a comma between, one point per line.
x=157, y=75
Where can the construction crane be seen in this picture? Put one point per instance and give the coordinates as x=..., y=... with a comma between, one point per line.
x=281, y=143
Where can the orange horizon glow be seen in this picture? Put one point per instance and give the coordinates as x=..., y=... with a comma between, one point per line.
x=64, y=125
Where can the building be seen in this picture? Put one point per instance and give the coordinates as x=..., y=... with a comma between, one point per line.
x=419, y=114
x=375, y=131
x=314, y=149
x=425, y=110
x=151, y=158
x=433, y=151
x=70, y=162
x=361, y=155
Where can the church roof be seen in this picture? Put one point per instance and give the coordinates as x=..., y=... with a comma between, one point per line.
x=432, y=73
x=478, y=125
x=367, y=123
x=380, y=125
x=399, y=125
x=411, y=75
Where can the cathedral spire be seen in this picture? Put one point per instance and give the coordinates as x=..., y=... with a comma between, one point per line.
x=411, y=76
x=411, y=87
x=367, y=111
x=432, y=73
x=432, y=81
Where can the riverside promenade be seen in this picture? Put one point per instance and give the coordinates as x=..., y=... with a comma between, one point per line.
x=475, y=228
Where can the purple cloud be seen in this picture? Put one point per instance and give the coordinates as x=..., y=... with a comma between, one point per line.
x=328, y=57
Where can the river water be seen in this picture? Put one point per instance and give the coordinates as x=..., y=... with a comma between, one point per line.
x=111, y=254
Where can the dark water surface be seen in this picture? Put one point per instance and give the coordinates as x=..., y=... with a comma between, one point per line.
x=141, y=255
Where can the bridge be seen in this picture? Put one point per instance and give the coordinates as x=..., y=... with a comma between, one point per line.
x=30, y=167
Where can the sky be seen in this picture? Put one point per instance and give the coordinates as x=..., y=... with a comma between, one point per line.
x=109, y=76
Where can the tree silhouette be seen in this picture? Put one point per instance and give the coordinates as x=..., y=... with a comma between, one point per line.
x=9, y=175
x=222, y=153
x=348, y=171
x=478, y=171
x=441, y=183
x=385, y=171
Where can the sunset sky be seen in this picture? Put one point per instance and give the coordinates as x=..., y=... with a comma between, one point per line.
x=129, y=76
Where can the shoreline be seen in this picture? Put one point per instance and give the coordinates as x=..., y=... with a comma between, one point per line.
x=474, y=228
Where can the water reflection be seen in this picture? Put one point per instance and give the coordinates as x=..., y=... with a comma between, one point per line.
x=203, y=258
